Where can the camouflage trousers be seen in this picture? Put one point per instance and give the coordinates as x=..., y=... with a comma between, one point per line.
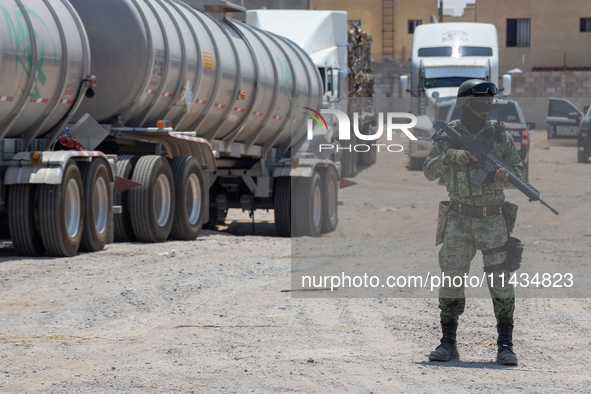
x=462, y=237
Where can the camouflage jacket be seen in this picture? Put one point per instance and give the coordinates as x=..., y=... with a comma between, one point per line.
x=457, y=179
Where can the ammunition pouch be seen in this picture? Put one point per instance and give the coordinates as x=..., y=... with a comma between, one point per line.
x=514, y=249
x=441, y=221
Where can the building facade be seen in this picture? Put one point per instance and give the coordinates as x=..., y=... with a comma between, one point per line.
x=537, y=35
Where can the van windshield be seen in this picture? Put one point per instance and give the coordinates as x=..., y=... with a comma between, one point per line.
x=445, y=82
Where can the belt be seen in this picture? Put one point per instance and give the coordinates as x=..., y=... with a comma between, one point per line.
x=478, y=212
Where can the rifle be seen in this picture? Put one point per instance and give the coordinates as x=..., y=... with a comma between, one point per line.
x=489, y=162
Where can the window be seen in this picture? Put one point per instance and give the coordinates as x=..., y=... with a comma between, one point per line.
x=412, y=24
x=436, y=51
x=518, y=32
x=561, y=109
x=586, y=24
x=475, y=51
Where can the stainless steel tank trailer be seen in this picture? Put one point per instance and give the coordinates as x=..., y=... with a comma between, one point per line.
x=144, y=120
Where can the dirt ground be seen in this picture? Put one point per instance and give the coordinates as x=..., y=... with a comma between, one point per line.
x=117, y=320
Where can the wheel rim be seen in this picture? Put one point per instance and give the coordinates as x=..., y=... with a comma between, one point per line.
x=162, y=200
x=101, y=204
x=72, y=209
x=317, y=207
x=331, y=198
x=193, y=198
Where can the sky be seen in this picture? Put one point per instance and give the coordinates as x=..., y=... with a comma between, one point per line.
x=457, y=5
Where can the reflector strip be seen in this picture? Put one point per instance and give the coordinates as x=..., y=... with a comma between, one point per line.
x=239, y=109
x=200, y=102
x=255, y=113
x=218, y=105
x=6, y=98
x=39, y=101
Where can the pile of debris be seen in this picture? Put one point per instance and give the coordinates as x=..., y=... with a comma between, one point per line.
x=360, y=75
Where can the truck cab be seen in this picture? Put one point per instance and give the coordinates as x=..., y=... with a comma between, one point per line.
x=444, y=55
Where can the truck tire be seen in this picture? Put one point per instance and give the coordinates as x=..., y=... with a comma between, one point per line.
x=22, y=205
x=122, y=221
x=349, y=160
x=282, y=197
x=330, y=196
x=152, y=204
x=415, y=164
x=307, y=215
x=369, y=158
x=582, y=157
x=99, y=205
x=61, y=213
x=190, y=189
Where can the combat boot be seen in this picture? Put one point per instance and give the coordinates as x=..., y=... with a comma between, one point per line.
x=449, y=347
x=505, y=355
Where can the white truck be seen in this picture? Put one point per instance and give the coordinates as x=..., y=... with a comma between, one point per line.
x=444, y=55
x=323, y=36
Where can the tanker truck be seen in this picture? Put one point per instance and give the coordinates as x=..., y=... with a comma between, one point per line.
x=143, y=120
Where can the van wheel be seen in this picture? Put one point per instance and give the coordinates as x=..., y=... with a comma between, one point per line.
x=330, y=194
x=98, y=212
x=415, y=164
x=61, y=213
x=152, y=204
x=122, y=222
x=22, y=207
x=189, y=185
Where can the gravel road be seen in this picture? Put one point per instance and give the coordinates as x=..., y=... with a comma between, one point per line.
x=129, y=318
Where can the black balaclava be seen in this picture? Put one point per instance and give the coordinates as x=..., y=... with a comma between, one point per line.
x=475, y=111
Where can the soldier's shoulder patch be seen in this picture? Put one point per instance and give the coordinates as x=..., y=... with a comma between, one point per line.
x=431, y=148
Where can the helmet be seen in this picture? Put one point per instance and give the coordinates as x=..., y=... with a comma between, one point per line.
x=475, y=97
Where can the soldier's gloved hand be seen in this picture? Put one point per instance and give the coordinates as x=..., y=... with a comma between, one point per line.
x=459, y=156
x=501, y=177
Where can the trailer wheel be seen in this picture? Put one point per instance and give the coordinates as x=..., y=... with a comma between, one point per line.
x=61, y=213
x=349, y=163
x=308, y=216
x=22, y=203
x=152, y=204
x=282, y=204
x=189, y=185
x=122, y=222
x=97, y=199
x=330, y=195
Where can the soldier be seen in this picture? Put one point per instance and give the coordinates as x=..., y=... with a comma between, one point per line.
x=475, y=220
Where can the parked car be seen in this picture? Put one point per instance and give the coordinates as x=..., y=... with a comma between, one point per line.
x=509, y=112
x=584, y=138
x=562, y=122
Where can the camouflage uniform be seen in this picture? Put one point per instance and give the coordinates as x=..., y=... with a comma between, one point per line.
x=465, y=234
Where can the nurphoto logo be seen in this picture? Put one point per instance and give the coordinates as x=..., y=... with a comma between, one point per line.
x=393, y=120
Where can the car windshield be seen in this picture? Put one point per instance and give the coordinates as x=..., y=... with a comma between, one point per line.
x=506, y=112
x=444, y=82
